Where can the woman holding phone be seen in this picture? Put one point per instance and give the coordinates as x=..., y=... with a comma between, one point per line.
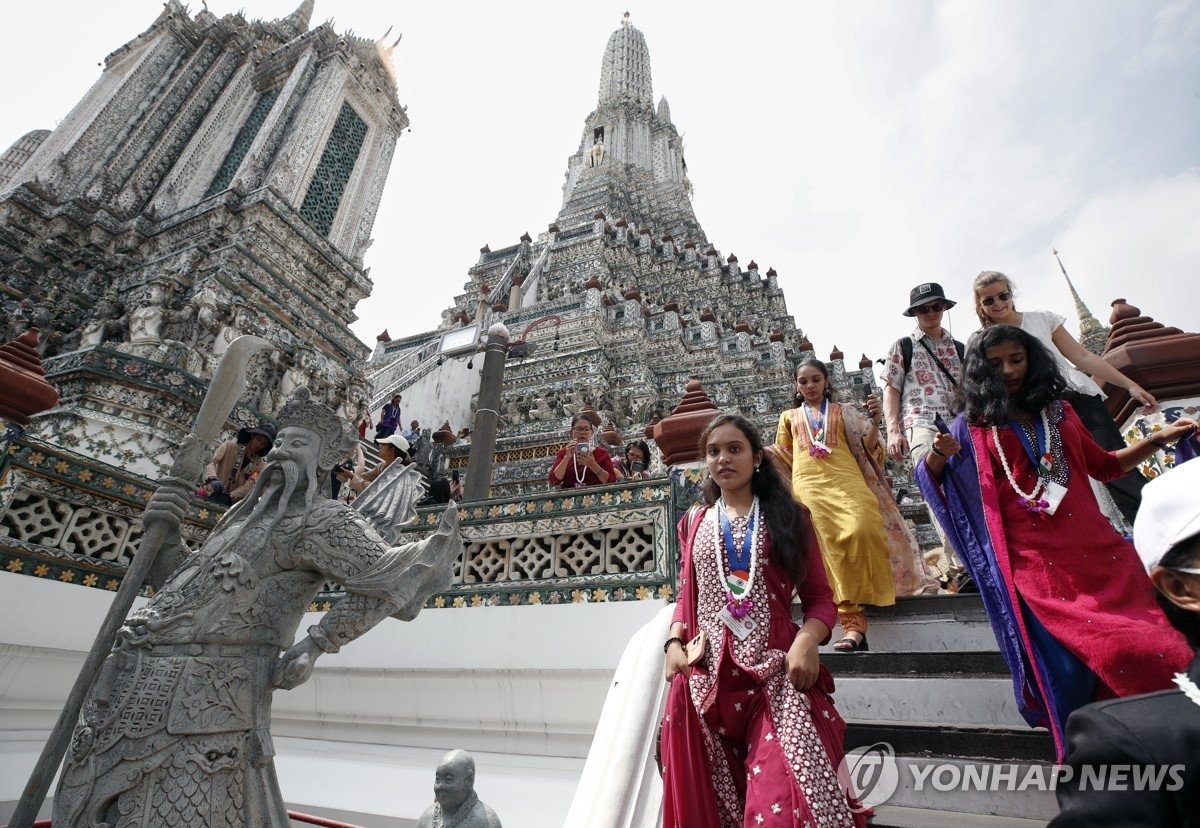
x=580, y=462
x=636, y=462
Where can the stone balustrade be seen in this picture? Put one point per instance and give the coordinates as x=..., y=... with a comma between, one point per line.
x=79, y=521
x=72, y=519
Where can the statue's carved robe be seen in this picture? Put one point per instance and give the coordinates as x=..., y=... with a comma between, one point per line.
x=176, y=731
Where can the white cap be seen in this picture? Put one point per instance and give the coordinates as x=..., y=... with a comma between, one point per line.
x=396, y=440
x=1169, y=514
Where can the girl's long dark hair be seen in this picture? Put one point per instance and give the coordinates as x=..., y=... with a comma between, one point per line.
x=983, y=395
x=787, y=521
x=1184, y=554
x=812, y=362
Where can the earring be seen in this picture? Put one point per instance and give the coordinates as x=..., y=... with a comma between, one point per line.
x=756, y=468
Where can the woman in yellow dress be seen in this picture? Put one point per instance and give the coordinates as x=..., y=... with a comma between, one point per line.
x=835, y=455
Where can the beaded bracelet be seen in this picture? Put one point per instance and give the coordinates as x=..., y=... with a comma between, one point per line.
x=938, y=451
x=672, y=640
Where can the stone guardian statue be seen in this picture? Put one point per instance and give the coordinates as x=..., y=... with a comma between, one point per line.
x=456, y=803
x=176, y=728
x=596, y=153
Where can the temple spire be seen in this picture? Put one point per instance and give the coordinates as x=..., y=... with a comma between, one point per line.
x=1092, y=334
x=625, y=71
x=299, y=20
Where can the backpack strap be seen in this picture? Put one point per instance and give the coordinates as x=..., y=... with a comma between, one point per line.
x=941, y=366
x=906, y=346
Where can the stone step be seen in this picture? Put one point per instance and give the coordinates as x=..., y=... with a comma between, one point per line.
x=964, y=663
x=970, y=687
x=896, y=816
x=936, y=739
x=934, y=698
x=928, y=623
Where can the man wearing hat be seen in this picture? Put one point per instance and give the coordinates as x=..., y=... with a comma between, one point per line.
x=1155, y=734
x=923, y=371
x=391, y=448
x=235, y=465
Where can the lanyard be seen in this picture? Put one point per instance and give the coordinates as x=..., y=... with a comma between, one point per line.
x=1042, y=460
x=819, y=425
x=737, y=563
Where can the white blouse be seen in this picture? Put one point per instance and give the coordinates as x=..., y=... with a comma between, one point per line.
x=1042, y=325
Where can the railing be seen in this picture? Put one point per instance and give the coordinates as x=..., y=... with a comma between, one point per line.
x=73, y=519
x=70, y=519
x=294, y=816
x=603, y=543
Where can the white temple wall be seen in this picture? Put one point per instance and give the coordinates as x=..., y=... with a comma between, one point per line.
x=520, y=687
x=442, y=394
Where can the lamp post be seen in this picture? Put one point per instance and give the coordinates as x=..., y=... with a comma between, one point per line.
x=483, y=434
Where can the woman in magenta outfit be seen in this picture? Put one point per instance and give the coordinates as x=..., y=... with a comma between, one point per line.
x=1068, y=600
x=750, y=735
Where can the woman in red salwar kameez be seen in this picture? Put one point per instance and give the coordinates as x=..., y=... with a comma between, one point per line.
x=750, y=736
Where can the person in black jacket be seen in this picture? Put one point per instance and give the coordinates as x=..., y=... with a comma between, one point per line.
x=1153, y=738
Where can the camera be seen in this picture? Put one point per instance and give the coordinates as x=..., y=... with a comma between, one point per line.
x=585, y=447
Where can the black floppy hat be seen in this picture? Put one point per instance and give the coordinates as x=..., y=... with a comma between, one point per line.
x=265, y=429
x=925, y=293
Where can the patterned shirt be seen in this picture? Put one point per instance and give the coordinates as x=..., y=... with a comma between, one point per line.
x=924, y=391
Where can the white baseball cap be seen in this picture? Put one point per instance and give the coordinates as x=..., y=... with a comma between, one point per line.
x=1169, y=514
x=396, y=440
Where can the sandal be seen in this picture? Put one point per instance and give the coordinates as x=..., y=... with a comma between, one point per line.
x=849, y=645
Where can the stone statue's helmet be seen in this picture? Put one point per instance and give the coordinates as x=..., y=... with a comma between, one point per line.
x=337, y=436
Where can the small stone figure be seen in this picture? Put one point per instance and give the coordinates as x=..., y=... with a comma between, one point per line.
x=176, y=728
x=106, y=323
x=596, y=153
x=456, y=803
x=146, y=320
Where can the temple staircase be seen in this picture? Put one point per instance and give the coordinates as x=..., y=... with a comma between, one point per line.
x=934, y=688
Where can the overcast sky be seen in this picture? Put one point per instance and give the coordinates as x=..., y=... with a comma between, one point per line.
x=858, y=148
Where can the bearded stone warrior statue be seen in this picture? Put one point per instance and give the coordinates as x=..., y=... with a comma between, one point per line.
x=175, y=730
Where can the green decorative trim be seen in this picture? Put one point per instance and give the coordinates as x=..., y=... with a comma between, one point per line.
x=333, y=172
x=647, y=508
x=241, y=144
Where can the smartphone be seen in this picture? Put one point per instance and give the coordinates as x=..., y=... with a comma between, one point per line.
x=941, y=424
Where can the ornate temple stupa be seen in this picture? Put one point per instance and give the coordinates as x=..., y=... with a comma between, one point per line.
x=1092, y=334
x=614, y=306
x=221, y=177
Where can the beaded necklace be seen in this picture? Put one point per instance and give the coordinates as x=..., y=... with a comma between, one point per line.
x=738, y=584
x=818, y=448
x=1032, y=500
x=579, y=478
x=1188, y=687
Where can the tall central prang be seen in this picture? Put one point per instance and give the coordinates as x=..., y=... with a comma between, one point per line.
x=619, y=301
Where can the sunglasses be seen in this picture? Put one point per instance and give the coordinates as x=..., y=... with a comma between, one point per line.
x=934, y=307
x=988, y=301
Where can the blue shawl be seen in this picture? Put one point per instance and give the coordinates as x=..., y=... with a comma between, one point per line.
x=1049, y=682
